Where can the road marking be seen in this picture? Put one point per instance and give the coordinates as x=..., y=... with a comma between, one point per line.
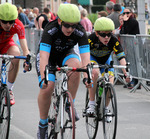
x=20, y=132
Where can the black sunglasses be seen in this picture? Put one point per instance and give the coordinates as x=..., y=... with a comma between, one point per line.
x=10, y=22
x=68, y=25
x=126, y=13
x=104, y=34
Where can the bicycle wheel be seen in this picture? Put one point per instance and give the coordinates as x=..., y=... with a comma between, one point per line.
x=68, y=129
x=52, y=116
x=92, y=122
x=109, y=105
x=4, y=113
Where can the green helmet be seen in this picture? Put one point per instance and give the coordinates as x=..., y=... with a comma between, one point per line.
x=8, y=12
x=69, y=13
x=104, y=24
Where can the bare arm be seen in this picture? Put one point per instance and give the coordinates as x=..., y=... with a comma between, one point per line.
x=41, y=19
x=44, y=57
x=24, y=47
x=85, y=57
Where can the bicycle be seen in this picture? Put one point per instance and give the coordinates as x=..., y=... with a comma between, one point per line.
x=106, y=106
x=61, y=115
x=5, y=107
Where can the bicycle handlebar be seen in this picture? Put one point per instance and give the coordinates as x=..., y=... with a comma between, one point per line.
x=27, y=58
x=65, y=69
x=106, y=66
x=12, y=57
x=88, y=69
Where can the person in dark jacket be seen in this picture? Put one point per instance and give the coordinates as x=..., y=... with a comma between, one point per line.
x=131, y=27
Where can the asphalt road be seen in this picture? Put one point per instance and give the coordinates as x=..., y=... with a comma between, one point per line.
x=133, y=111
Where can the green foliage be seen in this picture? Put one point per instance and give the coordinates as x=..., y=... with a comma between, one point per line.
x=92, y=17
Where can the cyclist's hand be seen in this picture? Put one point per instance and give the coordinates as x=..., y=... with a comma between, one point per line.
x=27, y=66
x=88, y=85
x=42, y=84
x=128, y=78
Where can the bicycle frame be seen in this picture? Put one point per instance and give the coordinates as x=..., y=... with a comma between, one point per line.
x=3, y=88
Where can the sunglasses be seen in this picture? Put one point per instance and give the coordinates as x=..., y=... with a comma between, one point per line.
x=10, y=22
x=68, y=25
x=126, y=13
x=104, y=34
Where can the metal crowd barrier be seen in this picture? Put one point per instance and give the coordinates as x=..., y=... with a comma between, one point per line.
x=136, y=48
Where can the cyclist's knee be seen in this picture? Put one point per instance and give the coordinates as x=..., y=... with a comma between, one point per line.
x=95, y=74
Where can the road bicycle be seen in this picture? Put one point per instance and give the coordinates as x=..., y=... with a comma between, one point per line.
x=5, y=107
x=61, y=115
x=106, y=106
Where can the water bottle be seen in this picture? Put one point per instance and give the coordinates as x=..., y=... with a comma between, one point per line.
x=100, y=90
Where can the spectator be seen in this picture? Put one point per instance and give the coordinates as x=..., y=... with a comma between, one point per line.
x=31, y=17
x=80, y=6
x=130, y=26
x=67, y=1
x=42, y=19
x=115, y=14
x=36, y=11
x=122, y=7
x=85, y=22
x=102, y=14
x=23, y=18
x=117, y=31
x=27, y=11
x=53, y=17
x=109, y=7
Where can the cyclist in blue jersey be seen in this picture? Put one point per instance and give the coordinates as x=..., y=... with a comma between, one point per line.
x=102, y=44
x=56, y=48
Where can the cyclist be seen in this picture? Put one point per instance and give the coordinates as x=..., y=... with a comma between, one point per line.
x=102, y=43
x=56, y=48
x=10, y=25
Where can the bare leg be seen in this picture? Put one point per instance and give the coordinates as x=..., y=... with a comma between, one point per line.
x=44, y=100
x=74, y=78
x=92, y=90
x=14, y=66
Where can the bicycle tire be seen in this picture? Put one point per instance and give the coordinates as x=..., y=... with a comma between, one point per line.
x=92, y=122
x=109, y=127
x=68, y=130
x=52, y=116
x=4, y=113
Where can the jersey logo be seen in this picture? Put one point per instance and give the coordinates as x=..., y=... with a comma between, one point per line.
x=52, y=31
x=117, y=43
x=78, y=33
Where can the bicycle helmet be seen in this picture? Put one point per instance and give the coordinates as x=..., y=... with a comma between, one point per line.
x=8, y=12
x=69, y=13
x=104, y=24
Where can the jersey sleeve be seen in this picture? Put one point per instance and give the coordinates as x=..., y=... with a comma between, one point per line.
x=45, y=43
x=20, y=29
x=83, y=44
x=118, y=50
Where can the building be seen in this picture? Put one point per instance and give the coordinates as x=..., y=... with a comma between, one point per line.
x=52, y=4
